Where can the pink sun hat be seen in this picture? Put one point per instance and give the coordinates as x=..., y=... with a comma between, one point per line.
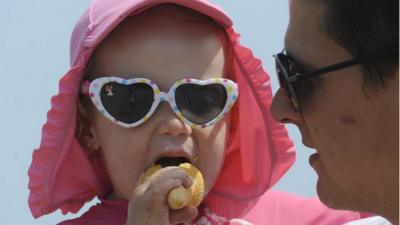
x=259, y=152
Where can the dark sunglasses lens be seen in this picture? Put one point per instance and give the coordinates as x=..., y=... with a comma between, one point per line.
x=127, y=103
x=282, y=77
x=200, y=104
x=284, y=71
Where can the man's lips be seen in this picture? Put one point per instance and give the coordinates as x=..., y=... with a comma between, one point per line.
x=307, y=143
x=314, y=158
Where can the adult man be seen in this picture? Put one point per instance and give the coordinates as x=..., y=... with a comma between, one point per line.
x=339, y=79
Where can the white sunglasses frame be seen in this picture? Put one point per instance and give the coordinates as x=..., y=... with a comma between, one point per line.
x=94, y=87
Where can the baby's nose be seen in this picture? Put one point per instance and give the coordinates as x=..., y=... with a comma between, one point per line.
x=169, y=123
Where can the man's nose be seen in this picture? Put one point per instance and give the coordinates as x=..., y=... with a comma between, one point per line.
x=168, y=123
x=282, y=110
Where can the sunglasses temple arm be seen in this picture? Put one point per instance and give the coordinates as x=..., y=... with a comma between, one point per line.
x=326, y=69
x=345, y=64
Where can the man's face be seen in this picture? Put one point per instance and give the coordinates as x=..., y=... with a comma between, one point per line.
x=352, y=126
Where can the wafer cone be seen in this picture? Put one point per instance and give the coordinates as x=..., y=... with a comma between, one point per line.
x=181, y=197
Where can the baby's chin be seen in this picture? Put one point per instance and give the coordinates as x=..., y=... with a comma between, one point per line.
x=121, y=189
x=114, y=196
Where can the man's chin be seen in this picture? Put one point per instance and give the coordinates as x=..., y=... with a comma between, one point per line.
x=329, y=196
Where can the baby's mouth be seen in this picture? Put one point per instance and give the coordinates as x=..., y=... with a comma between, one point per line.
x=171, y=161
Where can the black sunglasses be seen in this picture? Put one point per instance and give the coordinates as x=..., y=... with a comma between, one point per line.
x=287, y=77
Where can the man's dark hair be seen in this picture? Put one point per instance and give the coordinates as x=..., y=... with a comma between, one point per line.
x=365, y=26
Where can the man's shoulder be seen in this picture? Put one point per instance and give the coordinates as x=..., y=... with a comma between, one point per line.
x=278, y=207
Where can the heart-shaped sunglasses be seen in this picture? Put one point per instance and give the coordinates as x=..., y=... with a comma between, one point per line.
x=130, y=103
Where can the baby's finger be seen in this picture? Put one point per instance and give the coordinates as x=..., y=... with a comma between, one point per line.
x=154, y=191
x=157, y=191
x=173, y=172
x=183, y=215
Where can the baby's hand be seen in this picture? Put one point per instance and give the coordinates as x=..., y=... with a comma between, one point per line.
x=148, y=204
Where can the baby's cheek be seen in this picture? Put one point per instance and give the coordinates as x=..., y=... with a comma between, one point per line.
x=124, y=166
x=211, y=156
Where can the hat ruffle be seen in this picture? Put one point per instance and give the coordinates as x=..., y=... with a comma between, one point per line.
x=256, y=158
x=59, y=148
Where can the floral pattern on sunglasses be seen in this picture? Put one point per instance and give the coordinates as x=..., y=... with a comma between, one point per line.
x=130, y=103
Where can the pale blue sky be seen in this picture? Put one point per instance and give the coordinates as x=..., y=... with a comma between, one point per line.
x=34, y=53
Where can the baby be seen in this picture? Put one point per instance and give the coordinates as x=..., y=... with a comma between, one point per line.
x=163, y=83
x=169, y=49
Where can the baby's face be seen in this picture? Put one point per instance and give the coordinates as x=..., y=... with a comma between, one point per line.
x=163, y=47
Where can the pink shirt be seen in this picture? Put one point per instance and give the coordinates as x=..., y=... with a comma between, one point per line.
x=273, y=208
